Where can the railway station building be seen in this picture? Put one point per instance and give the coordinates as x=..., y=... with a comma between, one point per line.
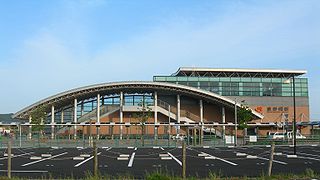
x=191, y=99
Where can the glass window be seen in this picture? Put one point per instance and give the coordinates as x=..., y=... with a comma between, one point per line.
x=245, y=79
x=183, y=83
x=267, y=89
x=225, y=79
x=171, y=78
x=193, y=84
x=268, y=109
x=204, y=78
x=193, y=79
x=159, y=78
x=230, y=88
x=266, y=79
x=276, y=89
x=235, y=79
x=108, y=101
x=128, y=100
x=277, y=80
x=214, y=79
x=182, y=78
x=305, y=80
x=256, y=79
x=116, y=100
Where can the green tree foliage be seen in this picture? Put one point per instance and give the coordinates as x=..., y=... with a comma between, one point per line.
x=244, y=115
x=38, y=115
x=143, y=116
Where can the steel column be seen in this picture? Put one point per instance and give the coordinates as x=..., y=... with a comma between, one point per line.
x=52, y=122
x=121, y=113
x=75, y=119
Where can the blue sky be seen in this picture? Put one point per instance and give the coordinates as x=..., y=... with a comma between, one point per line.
x=51, y=46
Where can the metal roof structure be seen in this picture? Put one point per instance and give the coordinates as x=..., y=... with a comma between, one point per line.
x=66, y=98
x=221, y=72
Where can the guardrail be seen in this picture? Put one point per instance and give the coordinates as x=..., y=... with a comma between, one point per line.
x=137, y=141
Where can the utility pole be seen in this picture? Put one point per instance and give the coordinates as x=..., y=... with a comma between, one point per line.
x=9, y=158
x=271, y=159
x=95, y=159
x=184, y=166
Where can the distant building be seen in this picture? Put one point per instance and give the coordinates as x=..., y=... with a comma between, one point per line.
x=268, y=91
x=202, y=98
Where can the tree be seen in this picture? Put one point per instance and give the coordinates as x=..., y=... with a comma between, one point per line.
x=244, y=115
x=143, y=115
x=37, y=117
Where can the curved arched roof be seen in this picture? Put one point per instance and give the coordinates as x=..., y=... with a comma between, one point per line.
x=82, y=93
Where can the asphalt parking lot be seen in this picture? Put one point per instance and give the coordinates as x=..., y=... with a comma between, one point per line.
x=228, y=161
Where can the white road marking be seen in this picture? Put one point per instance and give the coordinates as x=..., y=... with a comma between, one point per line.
x=46, y=155
x=24, y=171
x=166, y=158
x=124, y=155
x=131, y=159
x=304, y=157
x=309, y=154
x=82, y=162
x=276, y=161
x=179, y=162
x=226, y=161
x=33, y=162
x=135, y=149
x=17, y=155
x=161, y=148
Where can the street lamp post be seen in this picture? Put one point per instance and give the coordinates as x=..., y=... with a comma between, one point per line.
x=235, y=121
x=294, y=117
x=294, y=129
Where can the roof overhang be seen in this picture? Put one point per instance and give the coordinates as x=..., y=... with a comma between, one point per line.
x=235, y=72
x=66, y=98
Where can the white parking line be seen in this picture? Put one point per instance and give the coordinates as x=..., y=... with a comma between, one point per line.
x=161, y=148
x=179, y=162
x=17, y=155
x=33, y=162
x=308, y=154
x=276, y=161
x=224, y=160
x=131, y=159
x=82, y=162
x=304, y=157
x=262, y=158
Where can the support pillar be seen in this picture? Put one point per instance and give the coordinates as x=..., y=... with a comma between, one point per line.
x=178, y=112
x=62, y=116
x=121, y=113
x=52, y=122
x=223, y=121
x=98, y=115
x=201, y=120
x=155, y=115
x=75, y=119
x=30, y=128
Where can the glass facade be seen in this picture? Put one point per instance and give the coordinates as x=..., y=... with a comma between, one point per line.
x=238, y=86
